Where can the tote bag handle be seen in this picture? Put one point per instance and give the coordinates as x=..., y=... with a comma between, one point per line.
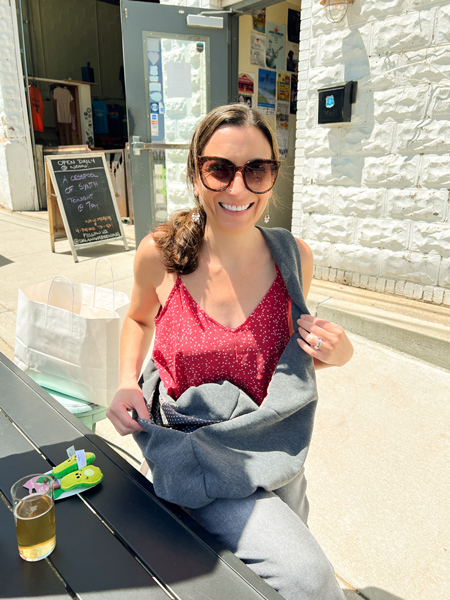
x=48, y=297
x=112, y=280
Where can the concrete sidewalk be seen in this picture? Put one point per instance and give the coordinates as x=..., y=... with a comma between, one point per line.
x=379, y=483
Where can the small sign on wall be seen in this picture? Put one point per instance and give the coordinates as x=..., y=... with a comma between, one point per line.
x=335, y=103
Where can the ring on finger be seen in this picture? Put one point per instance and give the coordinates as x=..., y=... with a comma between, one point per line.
x=318, y=343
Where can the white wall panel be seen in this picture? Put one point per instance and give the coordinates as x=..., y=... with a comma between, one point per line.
x=372, y=196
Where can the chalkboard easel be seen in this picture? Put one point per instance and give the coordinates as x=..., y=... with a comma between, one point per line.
x=81, y=204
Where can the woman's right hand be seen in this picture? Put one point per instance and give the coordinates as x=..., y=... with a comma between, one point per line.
x=127, y=399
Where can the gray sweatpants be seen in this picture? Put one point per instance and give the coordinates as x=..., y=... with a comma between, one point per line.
x=266, y=531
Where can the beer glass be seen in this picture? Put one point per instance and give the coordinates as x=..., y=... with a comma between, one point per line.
x=34, y=515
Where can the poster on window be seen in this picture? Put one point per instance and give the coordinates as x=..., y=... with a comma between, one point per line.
x=267, y=89
x=257, y=49
x=292, y=57
x=276, y=46
x=179, y=79
x=259, y=21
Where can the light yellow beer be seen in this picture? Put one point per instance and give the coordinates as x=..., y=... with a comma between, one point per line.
x=35, y=526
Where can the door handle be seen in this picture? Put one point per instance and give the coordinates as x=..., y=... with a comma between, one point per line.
x=137, y=145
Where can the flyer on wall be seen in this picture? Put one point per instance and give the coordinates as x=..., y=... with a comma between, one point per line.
x=282, y=136
x=267, y=89
x=246, y=88
x=283, y=86
x=292, y=57
x=276, y=46
x=259, y=20
x=246, y=99
x=294, y=83
x=282, y=115
x=257, y=49
x=293, y=25
x=246, y=82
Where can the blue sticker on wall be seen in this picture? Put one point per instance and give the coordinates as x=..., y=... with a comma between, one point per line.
x=329, y=101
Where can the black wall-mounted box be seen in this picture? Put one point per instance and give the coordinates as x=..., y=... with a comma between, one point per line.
x=335, y=103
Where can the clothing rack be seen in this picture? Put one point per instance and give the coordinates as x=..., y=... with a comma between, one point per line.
x=84, y=103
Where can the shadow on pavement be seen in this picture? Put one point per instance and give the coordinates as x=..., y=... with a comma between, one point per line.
x=5, y=261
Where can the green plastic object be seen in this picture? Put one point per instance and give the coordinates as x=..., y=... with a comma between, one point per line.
x=70, y=465
x=86, y=477
x=57, y=493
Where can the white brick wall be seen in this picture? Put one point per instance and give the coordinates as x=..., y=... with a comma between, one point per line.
x=371, y=197
x=17, y=183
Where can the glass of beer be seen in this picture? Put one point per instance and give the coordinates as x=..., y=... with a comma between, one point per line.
x=34, y=514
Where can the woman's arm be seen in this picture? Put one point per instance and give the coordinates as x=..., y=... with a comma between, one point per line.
x=137, y=334
x=336, y=349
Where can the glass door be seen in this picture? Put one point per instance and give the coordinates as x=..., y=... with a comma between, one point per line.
x=174, y=74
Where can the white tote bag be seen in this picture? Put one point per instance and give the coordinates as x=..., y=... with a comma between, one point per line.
x=68, y=337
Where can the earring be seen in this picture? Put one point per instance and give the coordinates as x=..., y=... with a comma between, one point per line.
x=267, y=215
x=196, y=216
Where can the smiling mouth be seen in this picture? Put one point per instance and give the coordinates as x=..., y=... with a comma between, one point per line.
x=235, y=208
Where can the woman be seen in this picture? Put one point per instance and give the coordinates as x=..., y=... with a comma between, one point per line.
x=221, y=305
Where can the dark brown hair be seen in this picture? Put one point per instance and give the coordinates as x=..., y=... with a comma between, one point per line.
x=180, y=239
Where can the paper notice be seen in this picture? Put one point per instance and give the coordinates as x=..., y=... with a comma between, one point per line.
x=179, y=80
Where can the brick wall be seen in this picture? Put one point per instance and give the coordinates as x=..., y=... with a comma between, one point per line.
x=17, y=186
x=372, y=197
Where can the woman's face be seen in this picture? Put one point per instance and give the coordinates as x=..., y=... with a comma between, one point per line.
x=239, y=145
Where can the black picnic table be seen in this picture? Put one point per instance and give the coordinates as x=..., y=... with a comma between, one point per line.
x=116, y=540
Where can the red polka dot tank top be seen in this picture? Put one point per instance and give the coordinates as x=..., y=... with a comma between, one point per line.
x=191, y=348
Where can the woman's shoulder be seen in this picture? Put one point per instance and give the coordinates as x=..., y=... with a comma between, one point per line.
x=148, y=250
x=149, y=261
x=305, y=251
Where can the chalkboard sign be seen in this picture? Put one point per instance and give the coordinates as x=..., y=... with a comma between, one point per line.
x=85, y=198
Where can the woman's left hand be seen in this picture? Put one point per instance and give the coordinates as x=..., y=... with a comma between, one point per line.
x=324, y=341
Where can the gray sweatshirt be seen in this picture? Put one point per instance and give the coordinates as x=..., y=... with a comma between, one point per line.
x=215, y=441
